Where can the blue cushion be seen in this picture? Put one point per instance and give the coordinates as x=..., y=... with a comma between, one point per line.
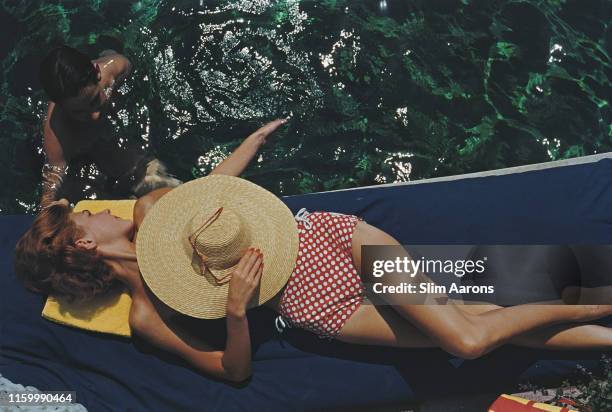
x=297, y=371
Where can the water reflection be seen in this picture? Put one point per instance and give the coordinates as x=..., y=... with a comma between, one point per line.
x=377, y=91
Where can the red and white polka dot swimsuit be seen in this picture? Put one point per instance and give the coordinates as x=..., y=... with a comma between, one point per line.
x=324, y=289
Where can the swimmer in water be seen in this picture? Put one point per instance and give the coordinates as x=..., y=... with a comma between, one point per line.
x=75, y=127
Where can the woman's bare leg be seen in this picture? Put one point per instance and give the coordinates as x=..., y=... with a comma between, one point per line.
x=460, y=332
x=381, y=325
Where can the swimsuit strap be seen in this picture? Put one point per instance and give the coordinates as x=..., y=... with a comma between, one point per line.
x=302, y=216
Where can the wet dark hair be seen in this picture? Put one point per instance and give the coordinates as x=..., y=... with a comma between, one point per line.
x=65, y=71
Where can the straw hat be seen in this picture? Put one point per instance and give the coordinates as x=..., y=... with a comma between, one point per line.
x=194, y=236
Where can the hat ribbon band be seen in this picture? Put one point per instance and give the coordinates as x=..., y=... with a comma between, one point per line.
x=201, y=256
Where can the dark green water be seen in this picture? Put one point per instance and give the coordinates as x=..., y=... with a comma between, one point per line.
x=377, y=91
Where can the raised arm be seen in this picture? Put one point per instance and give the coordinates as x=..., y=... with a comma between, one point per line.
x=54, y=169
x=240, y=158
x=234, y=363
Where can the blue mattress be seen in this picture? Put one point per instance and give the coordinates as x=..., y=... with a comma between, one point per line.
x=569, y=204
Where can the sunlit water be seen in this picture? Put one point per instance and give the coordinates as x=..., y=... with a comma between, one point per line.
x=376, y=91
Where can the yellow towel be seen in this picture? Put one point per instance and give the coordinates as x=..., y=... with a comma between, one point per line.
x=108, y=313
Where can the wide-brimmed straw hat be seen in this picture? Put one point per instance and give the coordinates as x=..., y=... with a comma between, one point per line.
x=193, y=237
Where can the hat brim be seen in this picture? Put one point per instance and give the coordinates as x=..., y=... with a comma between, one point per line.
x=167, y=267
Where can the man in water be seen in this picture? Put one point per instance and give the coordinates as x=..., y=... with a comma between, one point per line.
x=76, y=127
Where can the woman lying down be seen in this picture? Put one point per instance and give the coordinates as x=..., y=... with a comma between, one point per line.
x=219, y=245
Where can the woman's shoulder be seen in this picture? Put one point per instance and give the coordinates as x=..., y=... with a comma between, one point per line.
x=114, y=66
x=145, y=307
x=146, y=202
x=139, y=314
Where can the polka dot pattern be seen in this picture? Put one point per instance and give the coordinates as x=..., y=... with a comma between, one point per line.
x=324, y=289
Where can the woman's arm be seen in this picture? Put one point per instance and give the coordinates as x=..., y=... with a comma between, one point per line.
x=234, y=363
x=240, y=158
x=54, y=170
x=146, y=322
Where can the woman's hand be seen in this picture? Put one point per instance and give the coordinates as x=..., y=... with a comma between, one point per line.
x=236, y=162
x=245, y=279
x=263, y=132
